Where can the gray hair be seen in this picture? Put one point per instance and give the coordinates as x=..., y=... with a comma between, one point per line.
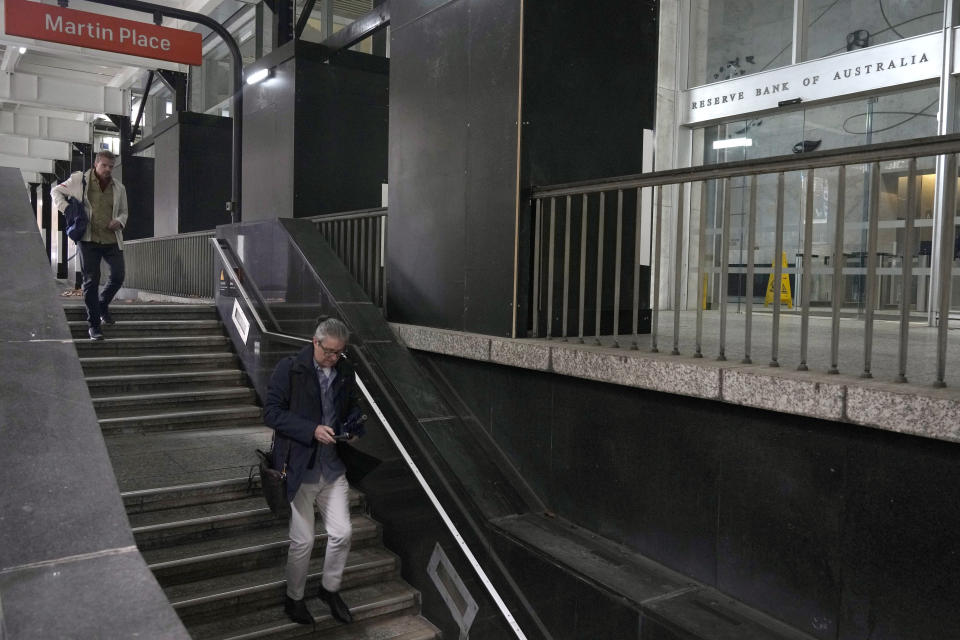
x=104, y=154
x=332, y=328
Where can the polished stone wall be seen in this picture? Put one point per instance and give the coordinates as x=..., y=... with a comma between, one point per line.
x=840, y=531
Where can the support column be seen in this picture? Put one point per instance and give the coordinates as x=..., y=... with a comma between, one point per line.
x=46, y=208
x=946, y=123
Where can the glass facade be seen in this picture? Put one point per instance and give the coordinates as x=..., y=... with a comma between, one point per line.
x=734, y=38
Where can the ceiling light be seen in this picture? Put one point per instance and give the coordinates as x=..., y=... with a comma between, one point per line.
x=732, y=142
x=23, y=50
x=257, y=76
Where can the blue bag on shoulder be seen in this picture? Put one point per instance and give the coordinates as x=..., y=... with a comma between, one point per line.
x=75, y=215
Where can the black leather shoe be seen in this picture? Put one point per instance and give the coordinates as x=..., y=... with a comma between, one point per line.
x=338, y=608
x=106, y=318
x=297, y=611
x=95, y=333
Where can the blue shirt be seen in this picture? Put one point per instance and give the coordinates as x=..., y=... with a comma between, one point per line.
x=327, y=463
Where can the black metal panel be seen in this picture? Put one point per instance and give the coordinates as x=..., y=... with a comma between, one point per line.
x=191, y=169
x=426, y=240
x=589, y=88
x=453, y=147
x=341, y=134
x=204, y=177
x=781, y=504
x=166, y=177
x=490, y=222
x=138, y=180
x=899, y=557
x=268, y=145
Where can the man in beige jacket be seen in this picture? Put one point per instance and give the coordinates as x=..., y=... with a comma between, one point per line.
x=105, y=200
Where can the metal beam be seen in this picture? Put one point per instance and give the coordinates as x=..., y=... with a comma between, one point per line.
x=29, y=89
x=360, y=29
x=304, y=17
x=143, y=104
x=34, y=148
x=10, y=56
x=26, y=164
x=45, y=127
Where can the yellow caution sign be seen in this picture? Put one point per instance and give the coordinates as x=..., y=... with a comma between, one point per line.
x=786, y=296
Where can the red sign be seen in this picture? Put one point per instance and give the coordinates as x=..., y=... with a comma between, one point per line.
x=84, y=29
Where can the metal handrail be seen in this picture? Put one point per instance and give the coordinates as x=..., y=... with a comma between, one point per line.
x=451, y=527
x=556, y=205
x=348, y=215
x=864, y=154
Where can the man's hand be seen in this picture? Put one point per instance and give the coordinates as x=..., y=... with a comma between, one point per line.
x=113, y=225
x=324, y=434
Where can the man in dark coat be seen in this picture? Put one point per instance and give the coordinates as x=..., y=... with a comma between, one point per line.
x=313, y=400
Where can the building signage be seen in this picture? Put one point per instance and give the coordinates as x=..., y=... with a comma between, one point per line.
x=83, y=29
x=902, y=62
x=240, y=321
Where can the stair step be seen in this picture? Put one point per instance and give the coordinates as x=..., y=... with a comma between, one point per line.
x=151, y=346
x=198, y=419
x=366, y=603
x=152, y=403
x=124, y=328
x=242, y=550
x=266, y=586
x=198, y=493
x=154, y=529
x=167, y=363
x=407, y=627
x=101, y=386
x=125, y=311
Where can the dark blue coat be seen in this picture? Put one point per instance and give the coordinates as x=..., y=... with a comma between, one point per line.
x=294, y=409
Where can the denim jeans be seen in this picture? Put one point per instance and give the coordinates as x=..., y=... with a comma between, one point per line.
x=90, y=255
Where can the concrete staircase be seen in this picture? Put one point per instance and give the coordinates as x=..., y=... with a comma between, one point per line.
x=181, y=423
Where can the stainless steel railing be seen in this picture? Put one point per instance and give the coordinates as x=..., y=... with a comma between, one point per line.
x=582, y=210
x=359, y=238
x=179, y=265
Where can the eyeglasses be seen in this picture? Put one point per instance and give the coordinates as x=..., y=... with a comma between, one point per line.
x=329, y=352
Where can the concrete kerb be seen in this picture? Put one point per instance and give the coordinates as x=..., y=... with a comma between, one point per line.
x=919, y=411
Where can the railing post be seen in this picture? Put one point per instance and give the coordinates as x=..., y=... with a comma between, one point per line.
x=724, y=268
x=948, y=232
x=807, y=271
x=583, y=266
x=550, y=261
x=678, y=271
x=751, y=243
x=599, y=297
x=616, y=270
x=654, y=308
x=701, y=269
x=837, y=293
x=636, y=268
x=535, y=330
x=777, y=275
x=906, y=270
x=566, y=268
x=871, y=297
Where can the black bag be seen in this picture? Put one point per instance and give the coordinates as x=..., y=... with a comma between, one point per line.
x=273, y=482
x=75, y=215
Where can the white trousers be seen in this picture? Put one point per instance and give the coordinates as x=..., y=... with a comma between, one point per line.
x=333, y=501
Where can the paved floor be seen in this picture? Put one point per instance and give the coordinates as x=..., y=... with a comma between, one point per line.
x=921, y=350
